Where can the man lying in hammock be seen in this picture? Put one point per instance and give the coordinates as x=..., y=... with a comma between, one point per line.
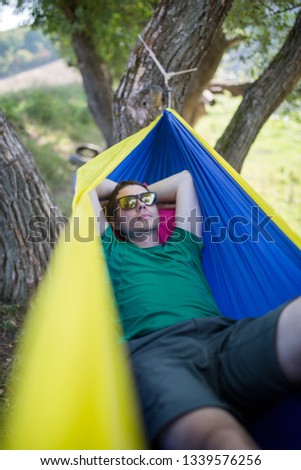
x=200, y=376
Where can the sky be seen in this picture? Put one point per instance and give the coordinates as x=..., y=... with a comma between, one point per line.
x=9, y=19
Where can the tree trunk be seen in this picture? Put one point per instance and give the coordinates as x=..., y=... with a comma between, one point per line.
x=97, y=84
x=199, y=79
x=262, y=98
x=179, y=33
x=234, y=88
x=24, y=201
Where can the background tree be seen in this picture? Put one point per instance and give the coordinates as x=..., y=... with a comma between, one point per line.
x=137, y=102
x=262, y=99
x=250, y=36
x=179, y=34
x=101, y=33
x=96, y=35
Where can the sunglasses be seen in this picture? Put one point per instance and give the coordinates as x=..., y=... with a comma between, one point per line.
x=130, y=202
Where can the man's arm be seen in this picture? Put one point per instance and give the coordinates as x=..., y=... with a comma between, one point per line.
x=99, y=194
x=180, y=189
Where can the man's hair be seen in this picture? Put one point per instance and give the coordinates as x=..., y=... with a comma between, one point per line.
x=113, y=197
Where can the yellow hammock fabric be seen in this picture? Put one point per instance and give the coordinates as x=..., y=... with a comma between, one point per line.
x=72, y=387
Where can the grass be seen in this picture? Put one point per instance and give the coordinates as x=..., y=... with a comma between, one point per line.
x=273, y=165
x=11, y=317
x=51, y=123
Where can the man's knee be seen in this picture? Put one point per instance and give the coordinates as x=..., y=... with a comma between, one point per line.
x=208, y=428
x=288, y=343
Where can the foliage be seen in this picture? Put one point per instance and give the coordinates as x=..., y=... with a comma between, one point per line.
x=63, y=109
x=263, y=27
x=111, y=25
x=22, y=49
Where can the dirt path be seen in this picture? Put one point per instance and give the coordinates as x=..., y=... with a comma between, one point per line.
x=53, y=74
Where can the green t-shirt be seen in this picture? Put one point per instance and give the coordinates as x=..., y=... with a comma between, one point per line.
x=158, y=286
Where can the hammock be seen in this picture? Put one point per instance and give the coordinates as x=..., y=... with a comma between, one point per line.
x=72, y=388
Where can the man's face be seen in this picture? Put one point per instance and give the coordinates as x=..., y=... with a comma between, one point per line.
x=142, y=219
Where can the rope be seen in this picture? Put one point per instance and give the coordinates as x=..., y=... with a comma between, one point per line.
x=167, y=75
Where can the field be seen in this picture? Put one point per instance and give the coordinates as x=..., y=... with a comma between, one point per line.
x=54, y=74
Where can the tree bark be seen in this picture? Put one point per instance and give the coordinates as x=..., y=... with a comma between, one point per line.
x=23, y=195
x=199, y=80
x=97, y=84
x=179, y=33
x=262, y=98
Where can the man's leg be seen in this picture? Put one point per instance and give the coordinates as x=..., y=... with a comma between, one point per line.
x=207, y=429
x=288, y=340
x=215, y=428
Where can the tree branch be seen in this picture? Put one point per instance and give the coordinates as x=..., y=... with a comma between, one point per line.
x=262, y=98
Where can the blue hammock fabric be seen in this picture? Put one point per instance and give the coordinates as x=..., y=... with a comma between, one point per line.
x=251, y=265
x=250, y=271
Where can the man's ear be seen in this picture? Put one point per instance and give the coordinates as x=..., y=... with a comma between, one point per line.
x=116, y=228
x=114, y=221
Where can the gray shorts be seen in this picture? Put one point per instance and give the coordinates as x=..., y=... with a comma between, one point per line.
x=208, y=362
